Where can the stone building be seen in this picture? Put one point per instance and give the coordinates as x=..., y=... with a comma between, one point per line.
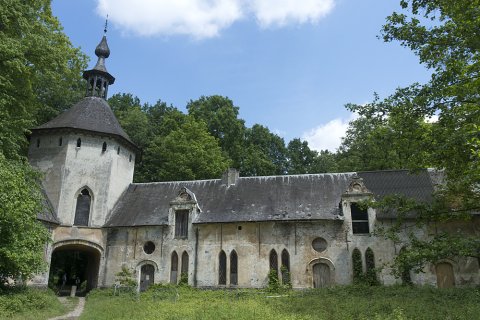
x=226, y=232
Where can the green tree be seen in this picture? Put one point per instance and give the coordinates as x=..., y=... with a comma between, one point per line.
x=39, y=70
x=445, y=36
x=22, y=236
x=265, y=153
x=300, y=158
x=186, y=153
x=221, y=117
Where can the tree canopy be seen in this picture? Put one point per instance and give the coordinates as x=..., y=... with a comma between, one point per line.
x=39, y=77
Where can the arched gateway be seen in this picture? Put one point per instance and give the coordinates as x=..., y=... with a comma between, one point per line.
x=74, y=262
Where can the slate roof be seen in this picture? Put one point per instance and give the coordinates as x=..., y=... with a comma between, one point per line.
x=275, y=198
x=89, y=114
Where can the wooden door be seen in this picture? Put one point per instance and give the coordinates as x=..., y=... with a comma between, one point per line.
x=321, y=275
x=445, y=276
x=146, y=276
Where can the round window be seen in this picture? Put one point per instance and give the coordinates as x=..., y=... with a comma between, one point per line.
x=319, y=244
x=149, y=247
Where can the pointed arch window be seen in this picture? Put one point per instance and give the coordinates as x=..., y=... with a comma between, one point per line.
x=370, y=271
x=233, y=268
x=82, y=210
x=285, y=268
x=222, y=268
x=405, y=276
x=274, y=261
x=357, y=265
x=184, y=269
x=174, y=268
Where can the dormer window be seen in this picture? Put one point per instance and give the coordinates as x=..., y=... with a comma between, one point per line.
x=181, y=224
x=360, y=223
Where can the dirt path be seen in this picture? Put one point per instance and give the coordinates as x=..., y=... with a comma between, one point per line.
x=72, y=314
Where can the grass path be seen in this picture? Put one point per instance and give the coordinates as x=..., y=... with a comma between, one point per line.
x=75, y=313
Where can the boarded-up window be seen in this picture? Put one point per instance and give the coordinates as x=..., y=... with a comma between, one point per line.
x=222, y=268
x=233, y=268
x=274, y=261
x=174, y=268
x=359, y=219
x=181, y=224
x=285, y=268
x=82, y=211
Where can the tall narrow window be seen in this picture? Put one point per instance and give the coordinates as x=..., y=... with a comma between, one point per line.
x=359, y=219
x=370, y=272
x=274, y=261
x=184, y=270
x=82, y=211
x=79, y=143
x=174, y=268
x=357, y=265
x=233, y=268
x=285, y=268
x=60, y=141
x=104, y=147
x=181, y=224
x=406, y=278
x=118, y=150
x=222, y=268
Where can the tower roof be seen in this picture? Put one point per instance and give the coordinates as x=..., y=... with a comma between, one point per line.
x=92, y=114
x=102, y=51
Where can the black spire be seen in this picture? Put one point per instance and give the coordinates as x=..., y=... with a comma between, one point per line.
x=98, y=78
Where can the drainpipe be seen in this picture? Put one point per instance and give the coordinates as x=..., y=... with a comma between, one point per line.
x=196, y=258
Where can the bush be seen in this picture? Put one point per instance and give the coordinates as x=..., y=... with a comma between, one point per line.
x=17, y=300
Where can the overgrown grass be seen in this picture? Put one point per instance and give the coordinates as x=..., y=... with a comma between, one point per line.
x=29, y=303
x=351, y=302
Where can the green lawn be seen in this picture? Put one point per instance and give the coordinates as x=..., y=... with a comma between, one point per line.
x=335, y=303
x=29, y=303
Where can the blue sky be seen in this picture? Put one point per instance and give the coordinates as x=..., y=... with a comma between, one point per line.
x=290, y=65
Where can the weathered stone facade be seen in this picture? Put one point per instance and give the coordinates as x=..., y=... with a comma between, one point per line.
x=227, y=232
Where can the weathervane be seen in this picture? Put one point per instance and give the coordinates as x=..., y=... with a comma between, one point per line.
x=106, y=25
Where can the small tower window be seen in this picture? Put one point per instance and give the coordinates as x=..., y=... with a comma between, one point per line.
x=60, y=141
x=118, y=150
x=38, y=143
x=104, y=147
x=130, y=158
x=79, y=143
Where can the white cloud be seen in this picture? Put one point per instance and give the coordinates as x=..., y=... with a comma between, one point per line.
x=283, y=12
x=328, y=135
x=206, y=18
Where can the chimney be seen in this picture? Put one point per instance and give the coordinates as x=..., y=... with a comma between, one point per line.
x=230, y=177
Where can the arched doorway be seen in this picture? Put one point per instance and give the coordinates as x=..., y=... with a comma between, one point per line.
x=321, y=275
x=147, y=274
x=445, y=276
x=74, y=264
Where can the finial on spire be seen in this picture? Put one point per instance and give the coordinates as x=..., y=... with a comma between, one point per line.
x=106, y=25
